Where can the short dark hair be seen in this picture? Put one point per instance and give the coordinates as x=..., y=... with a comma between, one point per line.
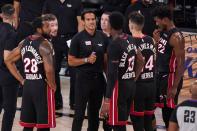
x=137, y=18
x=86, y=12
x=7, y=10
x=116, y=20
x=107, y=13
x=37, y=23
x=162, y=12
x=49, y=17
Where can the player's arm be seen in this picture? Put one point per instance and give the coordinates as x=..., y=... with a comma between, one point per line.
x=139, y=64
x=17, y=11
x=112, y=76
x=10, y=60
x=47, y=56
x=173, y=126
x=173, y=123
x=178, y=43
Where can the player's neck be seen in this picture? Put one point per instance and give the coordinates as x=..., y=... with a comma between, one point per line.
x=8, y=21
x=170, y=25
x=116, y=34
x=137, y=34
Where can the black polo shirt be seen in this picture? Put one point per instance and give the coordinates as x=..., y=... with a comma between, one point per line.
x=30, y=9
x=66, y=14
x=83, y=44
x=7, y=42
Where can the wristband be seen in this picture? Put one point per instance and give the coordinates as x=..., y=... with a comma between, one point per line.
x=86, y=60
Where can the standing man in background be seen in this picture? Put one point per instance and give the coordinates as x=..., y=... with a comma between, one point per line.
x=105, y=26
x=88, y=54
x=8, y=84
x=25, y=12
x=145, y=7
x=170, y=61
x=68, y=13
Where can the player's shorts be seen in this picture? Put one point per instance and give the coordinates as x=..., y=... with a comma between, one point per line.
x=120, y=102
x=38, y=107
x=144, y=100
x=164, y=82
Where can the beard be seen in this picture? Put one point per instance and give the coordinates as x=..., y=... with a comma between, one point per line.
x=46, y=36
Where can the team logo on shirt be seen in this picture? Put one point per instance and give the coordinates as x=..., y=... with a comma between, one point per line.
x=88, y=43
x=69, y=5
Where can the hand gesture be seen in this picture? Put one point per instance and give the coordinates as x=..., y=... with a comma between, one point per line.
x=92, y=58
x=156, y=34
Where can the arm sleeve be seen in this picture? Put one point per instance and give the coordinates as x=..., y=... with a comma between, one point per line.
x=74, y=47
x=113, y=62
x=10, y=42
x=173, y=117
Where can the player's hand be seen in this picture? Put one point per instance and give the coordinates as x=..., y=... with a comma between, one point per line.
x=156, y=35
x=51, y=85
x=105, y=108
x=172, y=92
x=92, y=58
x=22, y=82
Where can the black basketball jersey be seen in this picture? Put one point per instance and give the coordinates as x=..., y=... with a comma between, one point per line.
x=127, y=56
x=121, y=51
x=32, y=60
x=185, y=115
x=148, y=50
x=166, y=60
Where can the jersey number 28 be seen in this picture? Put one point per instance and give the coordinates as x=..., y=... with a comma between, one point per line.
x=30, y=65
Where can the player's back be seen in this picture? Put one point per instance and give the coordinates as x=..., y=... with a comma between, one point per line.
x=32, y=59
x=148, y=50
x=128, y=51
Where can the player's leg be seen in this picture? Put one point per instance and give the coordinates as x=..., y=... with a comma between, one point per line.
x=28, y=129
x=137, y=110
x=119, y=128
x=149, y=105
x=45, y=107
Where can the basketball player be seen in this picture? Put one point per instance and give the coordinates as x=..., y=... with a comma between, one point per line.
x=170, y=61
x=39, y=82
x=144, y=100
x=125, y=63
x=184, y=117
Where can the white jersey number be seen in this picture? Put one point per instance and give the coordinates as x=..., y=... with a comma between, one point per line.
x=30, y=65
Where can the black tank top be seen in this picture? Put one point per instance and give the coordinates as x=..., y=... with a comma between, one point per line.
x=127, y=57
x=32, y=60
x=166, y=60
x=148, y=50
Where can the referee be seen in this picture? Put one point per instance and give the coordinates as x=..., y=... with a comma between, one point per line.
x=8, y=84
x=87, y=53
